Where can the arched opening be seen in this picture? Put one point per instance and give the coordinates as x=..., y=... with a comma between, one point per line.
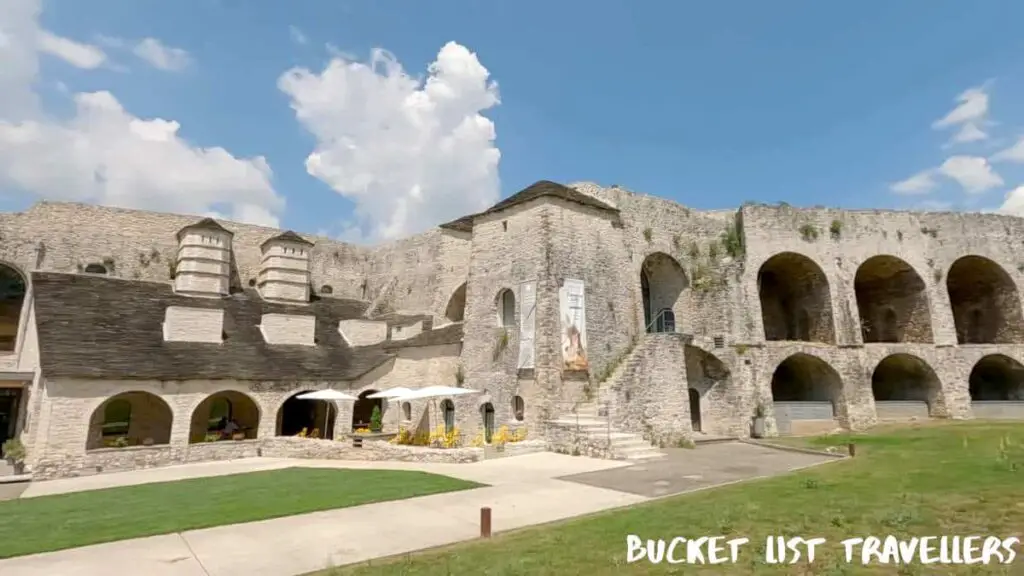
x=487, y=411
x=893, y=301
x=130, y=419
x=327, y=290
x=315, y=417
x=456, y=309
x=12, y=298
x=95, y=269
x=664, y=288
x=796, y=302
x=448, y=413
x=905, y=387
x=708, y=380
x=694, y=409
x=225, y=415
x=506, y=309
x=407, y=411
x=807, y=395
x=985, y=302
x=997, y=378
x=518, y=408
x=362, y=410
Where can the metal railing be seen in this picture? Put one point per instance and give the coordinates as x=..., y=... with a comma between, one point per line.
x=664, y=321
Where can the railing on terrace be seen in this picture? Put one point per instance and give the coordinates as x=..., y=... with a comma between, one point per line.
x=664, y=321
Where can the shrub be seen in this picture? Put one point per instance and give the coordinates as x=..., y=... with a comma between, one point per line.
x=375, y=420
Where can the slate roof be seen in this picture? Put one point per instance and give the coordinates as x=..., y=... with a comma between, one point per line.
x=543, y=188
x=205, y=224
x=109, y=328
x=450, y=334
x=287, y=236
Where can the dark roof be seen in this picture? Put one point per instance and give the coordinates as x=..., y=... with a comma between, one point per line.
x=450, y=334
x=103, y=327
x=287, y=236
x=543, y=188
x=205, y=224
x=398, y=319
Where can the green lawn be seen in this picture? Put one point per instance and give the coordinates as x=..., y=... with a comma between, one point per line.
x=956, y=478
x=48, y=523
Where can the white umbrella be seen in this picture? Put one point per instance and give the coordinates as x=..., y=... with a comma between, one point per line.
x=326, y=395
x=391, y=393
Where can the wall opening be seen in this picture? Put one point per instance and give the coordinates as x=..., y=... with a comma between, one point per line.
x=985, y=302
x=448, y=413
x=665, y=291
x=316, y=417
x=327, y=290
x=805, y=378
x=892, y=301
x=407, y=411
x=456, y=309
x=709, y=382
x=95, y=269
x=997, y=378
x=694, y=409
x=130, y=419
x=12, y=299
x=506, y=309
x=362, y=409
x=225, y=415
x=518, y=408
x=796, y=302
x=902, y=380
x=487, y=411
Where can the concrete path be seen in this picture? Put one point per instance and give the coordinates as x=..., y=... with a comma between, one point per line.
x=523, y=491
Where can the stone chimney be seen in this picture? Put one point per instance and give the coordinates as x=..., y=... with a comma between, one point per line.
x=204, y=259
x=284, y=268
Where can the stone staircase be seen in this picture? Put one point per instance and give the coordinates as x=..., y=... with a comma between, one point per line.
x=587, y=422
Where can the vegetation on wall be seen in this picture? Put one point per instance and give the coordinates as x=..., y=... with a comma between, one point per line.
x=613, y=364
x=648, y=234
x=733, y=240
x=501, y=337
x=933, y=232
x=836, y=229
x=460, y=376
x=809, y=232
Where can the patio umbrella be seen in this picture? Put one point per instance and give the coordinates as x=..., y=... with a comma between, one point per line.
x=391, y=393
x=326, y=395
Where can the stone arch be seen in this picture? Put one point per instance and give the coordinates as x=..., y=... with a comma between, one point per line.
x=455, y=311
x=892, y=300
x=296, y=415
x=448, y=414
x=95, y=268
x=996, y=378
x=807, y=395
x=901, y=380
x=13, y=285
x=665, y=291
x=518, y=408
x=213, y=417
x=407, y=411
x=985, y=302
x=362, y=409
x=487, y=414
x=132, y=418
x=796, y=301
x=709, y=385
x=506, y=303
x=327, y=290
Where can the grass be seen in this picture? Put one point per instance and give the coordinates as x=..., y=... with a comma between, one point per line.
x=47, y=523
x=952, y=479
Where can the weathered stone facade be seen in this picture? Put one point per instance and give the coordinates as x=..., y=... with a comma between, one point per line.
x=693, y=319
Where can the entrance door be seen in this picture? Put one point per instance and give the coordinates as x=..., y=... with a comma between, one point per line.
x=10, y=400
x=488, y=422
x=695, y=409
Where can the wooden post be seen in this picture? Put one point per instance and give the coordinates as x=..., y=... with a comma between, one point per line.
x=485, y=522
x=853, y=448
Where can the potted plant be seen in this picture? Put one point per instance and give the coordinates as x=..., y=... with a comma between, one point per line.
x=14, y=453
x=375, y=420
x=758, y=431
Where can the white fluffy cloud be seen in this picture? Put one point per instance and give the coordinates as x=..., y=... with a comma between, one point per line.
x=969, y=116
x=161, y=56
x=920, y=183
x=106, y=155
x=75, y=53
x=409, y=153
x=973, y=173
x=1013, y=203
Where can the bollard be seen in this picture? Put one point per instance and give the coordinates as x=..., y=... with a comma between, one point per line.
x=853, y=449
x=485, y=522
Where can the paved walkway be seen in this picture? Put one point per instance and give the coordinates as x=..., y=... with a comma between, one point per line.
x=522, y=491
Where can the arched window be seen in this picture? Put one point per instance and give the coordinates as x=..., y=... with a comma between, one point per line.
x=327, y=289
x=95, y=269
x=448, y=411
x=506, y=309
x=488, y=414
x=116, y=418
x=220, y=414
x=518, y=408
x=406, y=411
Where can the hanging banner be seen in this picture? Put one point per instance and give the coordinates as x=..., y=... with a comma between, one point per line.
x=527, y=324
x=572, y=304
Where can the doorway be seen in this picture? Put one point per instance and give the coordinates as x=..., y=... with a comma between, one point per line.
x=695, y=410
x=488, y=410
x=10, y=401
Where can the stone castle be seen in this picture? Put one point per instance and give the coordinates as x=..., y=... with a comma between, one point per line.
x=600, y=320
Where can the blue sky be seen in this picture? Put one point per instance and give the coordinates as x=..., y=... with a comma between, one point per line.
x=710, y=104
